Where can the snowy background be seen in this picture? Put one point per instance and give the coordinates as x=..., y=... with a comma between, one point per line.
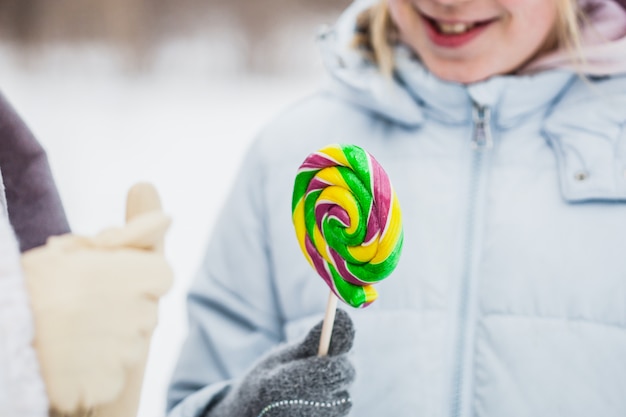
x=181, y=121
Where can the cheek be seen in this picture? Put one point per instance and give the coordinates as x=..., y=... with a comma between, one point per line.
x=404, y=16
x=396, y=6
x=531, y=22
x=535, y=16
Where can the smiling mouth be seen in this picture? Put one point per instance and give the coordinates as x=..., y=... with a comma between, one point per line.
x=454, y=28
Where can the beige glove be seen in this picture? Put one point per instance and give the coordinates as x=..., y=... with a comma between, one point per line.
x=95, y=302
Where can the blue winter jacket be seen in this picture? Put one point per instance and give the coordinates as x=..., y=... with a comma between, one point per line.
x=510, y=296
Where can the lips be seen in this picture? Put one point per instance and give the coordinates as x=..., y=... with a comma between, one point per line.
x=453, y=34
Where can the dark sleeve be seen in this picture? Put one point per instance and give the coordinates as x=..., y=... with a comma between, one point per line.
x=34, y=205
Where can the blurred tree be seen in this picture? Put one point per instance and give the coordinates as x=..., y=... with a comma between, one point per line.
x=138, y=25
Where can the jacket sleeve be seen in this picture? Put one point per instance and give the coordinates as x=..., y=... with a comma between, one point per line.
x=35, y=209
x=234, y=315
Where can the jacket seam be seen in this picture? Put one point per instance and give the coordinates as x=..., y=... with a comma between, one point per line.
x=581, y=320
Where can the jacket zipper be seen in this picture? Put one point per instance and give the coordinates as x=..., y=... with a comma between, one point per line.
x=482, y=138
x=481, y=144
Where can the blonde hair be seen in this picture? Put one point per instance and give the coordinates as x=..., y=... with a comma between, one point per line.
x=376, y=33
x=568, y=27
x=375, y=36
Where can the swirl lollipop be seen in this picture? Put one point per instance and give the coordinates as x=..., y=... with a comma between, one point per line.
x=348, y=222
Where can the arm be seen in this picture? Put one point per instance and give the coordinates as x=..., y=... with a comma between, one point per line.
x=234, y=315
x=35, y=209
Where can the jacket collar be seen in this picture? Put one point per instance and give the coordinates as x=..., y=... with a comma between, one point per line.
x=511, y=98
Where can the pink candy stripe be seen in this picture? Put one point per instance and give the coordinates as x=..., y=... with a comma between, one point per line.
x=372, y=225
x=318, y=262
x=324, y=210
x=317, y=161
x=382, y=194
x=316, y=184
x=340, y=214
x=321, y=209
x=340, y=265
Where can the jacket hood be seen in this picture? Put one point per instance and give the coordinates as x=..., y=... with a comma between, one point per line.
x=603, y=42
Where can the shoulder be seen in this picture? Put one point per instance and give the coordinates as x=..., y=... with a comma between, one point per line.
x=593, y=105
x=585, y=86
x=601, y=97
x=322, y=113
x=586, y=129
x=308, y=125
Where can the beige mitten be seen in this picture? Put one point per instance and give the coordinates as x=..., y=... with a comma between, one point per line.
x=95, y=302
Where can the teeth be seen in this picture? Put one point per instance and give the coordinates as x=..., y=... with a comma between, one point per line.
x=454, y=28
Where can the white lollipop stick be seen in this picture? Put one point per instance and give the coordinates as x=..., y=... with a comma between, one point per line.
x=327, y=326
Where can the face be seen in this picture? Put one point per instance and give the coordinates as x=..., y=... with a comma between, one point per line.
x=470, y=40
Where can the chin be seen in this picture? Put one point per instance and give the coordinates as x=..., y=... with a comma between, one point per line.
x=464, y=72
x=460, y=74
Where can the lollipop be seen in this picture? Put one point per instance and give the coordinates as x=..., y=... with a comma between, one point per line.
x=347, y=220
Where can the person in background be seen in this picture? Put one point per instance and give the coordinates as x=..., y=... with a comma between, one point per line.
x=501, y=126
x=76, y=312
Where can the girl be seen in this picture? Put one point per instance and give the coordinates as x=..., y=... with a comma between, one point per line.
x=501, y=125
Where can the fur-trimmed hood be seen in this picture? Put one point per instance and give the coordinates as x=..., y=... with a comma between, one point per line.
x=603, y=42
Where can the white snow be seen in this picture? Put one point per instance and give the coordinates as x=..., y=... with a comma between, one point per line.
x=181, y=127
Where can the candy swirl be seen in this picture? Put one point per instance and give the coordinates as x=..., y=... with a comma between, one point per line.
x=347, y=220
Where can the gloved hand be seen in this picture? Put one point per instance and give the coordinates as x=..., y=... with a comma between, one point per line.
x=293, y=382
x=95, y=302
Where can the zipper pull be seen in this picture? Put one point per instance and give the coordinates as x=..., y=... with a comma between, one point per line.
x=482, y=128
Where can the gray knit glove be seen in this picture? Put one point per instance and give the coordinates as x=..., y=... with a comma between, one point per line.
x=292, y=381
